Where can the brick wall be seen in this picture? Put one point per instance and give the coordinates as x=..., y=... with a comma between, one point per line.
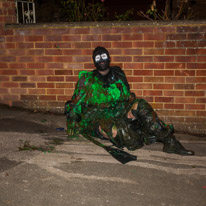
x=165, y=64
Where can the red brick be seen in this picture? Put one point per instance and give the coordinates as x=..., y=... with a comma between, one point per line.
x=16, y=52
x=163, y=73
x=201, y=100
x=163, y=58
x=196, y=51
x=153, y=51
x=3, y=65
x=53, y=38
x=63, y=72
x=72, y=52
x=44, y=59
x=53, y=52
x=185, y=59
x=175, y=79
x=8, y=72
x=27, y=85
x=55, y=79
x=60, y=45
x=130, y=51
x=55, y=91
x=121, y=44
x=144, y=44
x=45, y=85
x=163, y=86
x=201, y=59
x=25, y=45
x=34, y=38
x=11, y=45
x=15, y=39
x=17, y=65
x=201, y=113
x=18, y=91
x=197, y=36
x=194, y=93
x=184, y=29
x=71, y=79
x=82, y=45
x=25, y=59
x=103, y=44
x=7, y=58
x=142, y=86
x=4, y=90
x=185, y=72
x=143, y=59
x=184, y=86
x=81, y=59
x=176, y=36
x=134, y=79
x=143, y=72
x=37, y=91
x=133, y=65
x=201, y=73
x=195, y=79
x=175, y=65
x=165, y=44
x=164, y=99
x=73, y=66
x=111, y=37
x=173, y=106
x=195, y=106
x=47, y=97
x=37, y=52
x=154, y=65
x=27, y=72
x=153, y=79
x=64, y=85
x=72, y=38
x=155, y=36
x=152, y=93
x=201, y=86
x=184, y=100
x=173, y=93
x=37, y=78
x=62, y=98
x=122, y=59
x=43, y=45
x=45, y=72
x=62, y=59
x=196, y=65
x=69, y=92
x=19, y=78
x=11, y=97
x=133, y=37
x=35, y=65
x=10, y=84
x=175, y=51
x=54, y=65
x=4, y=78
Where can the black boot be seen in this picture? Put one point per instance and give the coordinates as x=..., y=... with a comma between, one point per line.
x=171, y=145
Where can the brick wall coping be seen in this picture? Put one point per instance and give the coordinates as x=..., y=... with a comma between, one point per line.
x=107, y=23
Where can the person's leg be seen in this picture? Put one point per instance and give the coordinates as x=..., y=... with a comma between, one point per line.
x=151, y=123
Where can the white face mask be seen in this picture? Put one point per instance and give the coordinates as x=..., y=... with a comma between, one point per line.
x=103, y=56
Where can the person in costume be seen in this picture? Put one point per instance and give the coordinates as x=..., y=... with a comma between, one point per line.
x=104, y=107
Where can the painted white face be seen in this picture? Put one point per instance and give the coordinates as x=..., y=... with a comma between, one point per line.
x=103, y=56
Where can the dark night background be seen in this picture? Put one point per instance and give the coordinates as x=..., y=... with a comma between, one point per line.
x=48, y=10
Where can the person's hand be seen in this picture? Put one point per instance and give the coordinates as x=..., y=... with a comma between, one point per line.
x=70, y=132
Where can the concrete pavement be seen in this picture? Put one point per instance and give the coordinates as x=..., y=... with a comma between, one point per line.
x=78, y=172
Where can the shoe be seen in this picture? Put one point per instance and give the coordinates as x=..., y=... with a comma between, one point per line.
x=171, y=145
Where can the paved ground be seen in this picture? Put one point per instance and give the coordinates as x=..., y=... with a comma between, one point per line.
x=60, y=172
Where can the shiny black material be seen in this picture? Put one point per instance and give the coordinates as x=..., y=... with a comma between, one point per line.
x=102, y=64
